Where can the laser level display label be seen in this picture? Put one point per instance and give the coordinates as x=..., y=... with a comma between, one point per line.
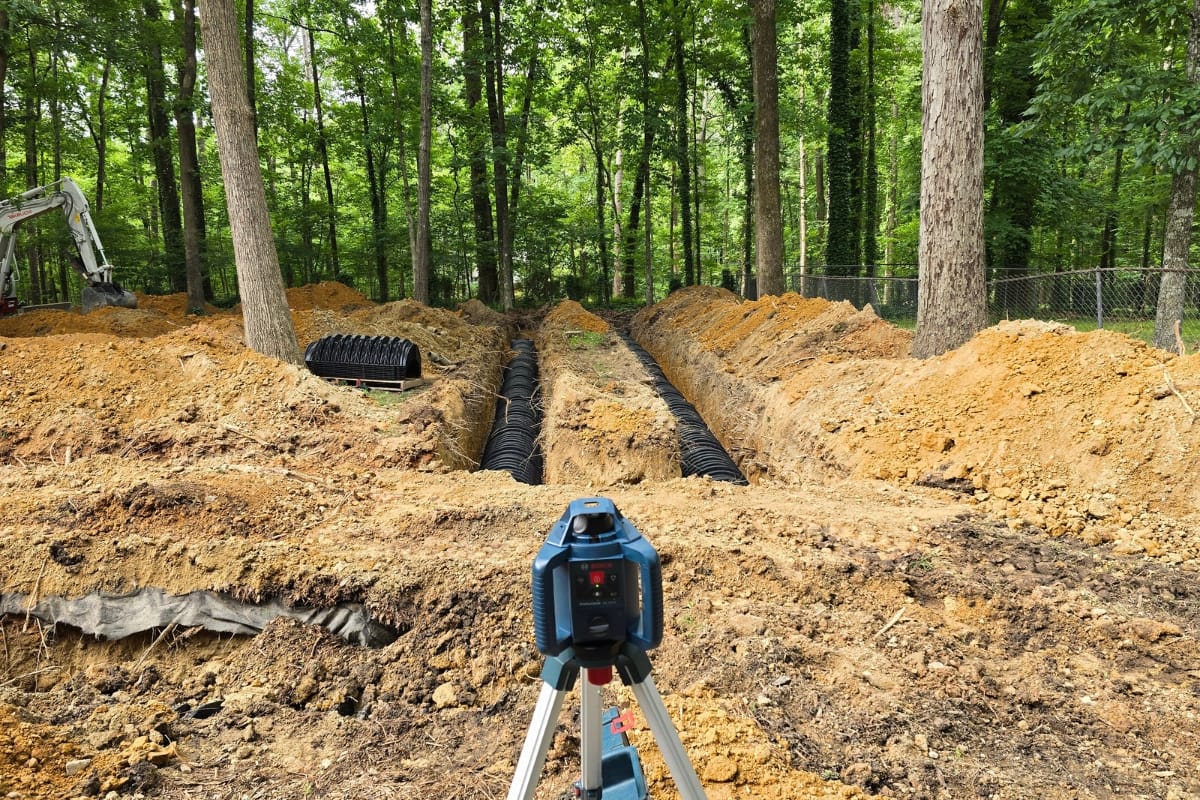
x=596, y=582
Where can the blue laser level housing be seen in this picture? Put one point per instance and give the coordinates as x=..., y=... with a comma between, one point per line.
x=597, y=583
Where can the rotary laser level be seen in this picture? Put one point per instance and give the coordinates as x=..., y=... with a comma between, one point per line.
x=597, y=604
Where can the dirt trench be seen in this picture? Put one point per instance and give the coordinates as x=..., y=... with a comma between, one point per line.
x=919, y=597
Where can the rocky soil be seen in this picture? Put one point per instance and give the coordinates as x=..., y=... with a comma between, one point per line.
x=970, y=576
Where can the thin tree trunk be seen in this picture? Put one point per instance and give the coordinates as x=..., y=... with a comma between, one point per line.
x=422, y=260
x=268, y=323
x=378, y=199
x=160, y=145
x=681, y=143
x=33, y=113
x=802, y=221
x=619, y=286
x=189, y=164
x=522, y=141
x=478, y=135
x=335, y=269
x=5, y=41
x=251, y=74
x=768, y=215
x=871, y=179
x=401, y=149
x=648, y=251
x=494, y=84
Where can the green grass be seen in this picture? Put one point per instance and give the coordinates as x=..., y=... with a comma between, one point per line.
x=584, y=340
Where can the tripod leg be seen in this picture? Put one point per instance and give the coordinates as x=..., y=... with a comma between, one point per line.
x=667, y=739
x=590, y=739
x=537, y=743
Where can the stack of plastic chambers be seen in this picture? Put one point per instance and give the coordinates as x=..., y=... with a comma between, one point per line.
x=513, y=445
x=699, y=451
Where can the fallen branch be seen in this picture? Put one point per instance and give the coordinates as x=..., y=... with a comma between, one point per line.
x=1182, y=399
x=158, y=639
x=891, y=622
x=240, y=432
x=33, y=596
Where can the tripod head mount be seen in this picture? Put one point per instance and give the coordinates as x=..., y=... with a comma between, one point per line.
x=597, y=584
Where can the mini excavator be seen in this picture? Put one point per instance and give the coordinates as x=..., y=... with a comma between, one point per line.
x=99, y=288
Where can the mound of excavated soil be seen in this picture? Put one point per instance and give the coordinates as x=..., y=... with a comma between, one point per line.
x=604, y=423
x=1073, y=433
x=916, y=599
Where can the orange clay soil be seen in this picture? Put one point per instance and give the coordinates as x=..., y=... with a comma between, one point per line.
x=971, y=576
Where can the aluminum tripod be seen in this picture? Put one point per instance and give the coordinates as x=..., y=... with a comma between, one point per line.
x=558, y=676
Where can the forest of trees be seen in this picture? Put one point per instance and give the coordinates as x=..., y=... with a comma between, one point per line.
x=598, y=150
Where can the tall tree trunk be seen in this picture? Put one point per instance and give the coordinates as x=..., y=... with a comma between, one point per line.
x=681, y=143
x=189, y=164
x=871, y=177
x=840, y=237
x=619, y=287
x=401, y=148
x=494, y=83
x=768, y=215
x=160, y=145
x=251, y=73
x=951, y=305
x=377, y=196
x=268, y=323
x=61, y=289
x=335, y=268
x=1180, y=215
x=642, y=176
x=5, y=42
x=478, y=133
x=32, y=107
x=522, y=141
x=423, y=260
x=802, y=220
x=101, y=136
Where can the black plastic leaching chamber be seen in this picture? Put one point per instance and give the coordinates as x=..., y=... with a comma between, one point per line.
x=371, y=360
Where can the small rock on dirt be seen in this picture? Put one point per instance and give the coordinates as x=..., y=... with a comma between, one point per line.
x=720, y=769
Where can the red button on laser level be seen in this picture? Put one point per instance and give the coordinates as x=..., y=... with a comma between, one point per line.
x=596, y=577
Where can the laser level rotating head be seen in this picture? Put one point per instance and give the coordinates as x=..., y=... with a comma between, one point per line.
x=597, y=583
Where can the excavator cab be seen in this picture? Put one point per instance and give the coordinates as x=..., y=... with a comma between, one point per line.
x=99, y=289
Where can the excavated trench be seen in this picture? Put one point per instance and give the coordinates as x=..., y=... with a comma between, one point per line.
x=513, y=445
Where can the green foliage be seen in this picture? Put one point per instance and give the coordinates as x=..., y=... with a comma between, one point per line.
x=1073, y=83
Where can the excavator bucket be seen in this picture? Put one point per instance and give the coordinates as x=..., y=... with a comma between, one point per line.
x=98, y=295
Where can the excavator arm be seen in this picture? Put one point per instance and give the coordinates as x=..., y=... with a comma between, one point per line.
x=92, y=264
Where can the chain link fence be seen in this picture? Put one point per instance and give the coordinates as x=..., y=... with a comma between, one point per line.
x=1124, y=299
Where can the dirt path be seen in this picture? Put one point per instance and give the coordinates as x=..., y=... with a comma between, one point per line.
x=934, y=587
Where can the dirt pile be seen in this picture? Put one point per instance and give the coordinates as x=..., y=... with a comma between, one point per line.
x=880, y=615
x=604, y=424
x=1073, y=433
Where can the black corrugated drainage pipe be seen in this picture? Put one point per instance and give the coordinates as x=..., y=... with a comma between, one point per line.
x=700, y=452
x=513, y=444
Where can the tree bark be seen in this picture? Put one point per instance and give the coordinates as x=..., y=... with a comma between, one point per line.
x=422, y=259
x=951, y=304
x=4, y=57
x=1180, y=215
x=251, y=74
x=768, y=225
x=268, y=323
x=401, y=149
x=681, y=144
x=160, y=145
x=839, y=243
x=494, y=83
x=32, y=107
x=478, y=147
x=335, y=267
x=189, y=164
